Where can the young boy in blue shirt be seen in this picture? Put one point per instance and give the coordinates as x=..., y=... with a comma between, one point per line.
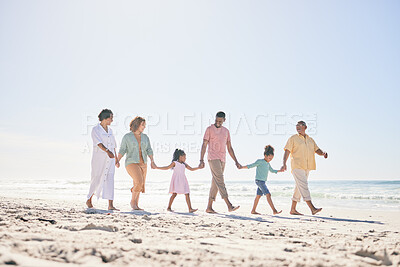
x=263, y=167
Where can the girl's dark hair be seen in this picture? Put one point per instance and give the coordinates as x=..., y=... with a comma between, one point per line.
x=177, y=154
x=105, y=114
x=268, y=150
x=135, y=123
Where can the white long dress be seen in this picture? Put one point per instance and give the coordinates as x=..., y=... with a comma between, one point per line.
x=103, y=167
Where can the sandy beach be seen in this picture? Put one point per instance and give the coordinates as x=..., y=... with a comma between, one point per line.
x=37, y=232
x=272, y=106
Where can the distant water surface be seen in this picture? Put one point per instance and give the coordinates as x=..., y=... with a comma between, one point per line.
x=359, y=194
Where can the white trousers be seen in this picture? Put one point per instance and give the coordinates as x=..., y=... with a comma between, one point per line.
x=301, y=189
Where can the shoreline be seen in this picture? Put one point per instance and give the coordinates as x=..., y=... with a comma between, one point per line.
x=382, y=195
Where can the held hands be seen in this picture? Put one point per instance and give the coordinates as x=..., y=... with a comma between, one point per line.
x=201, y=164
x=283, y=168
x=153, y=165
x=238, y=165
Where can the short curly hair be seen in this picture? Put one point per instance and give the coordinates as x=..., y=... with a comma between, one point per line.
x=105, y=114
x=135, y=123
x=220, y=114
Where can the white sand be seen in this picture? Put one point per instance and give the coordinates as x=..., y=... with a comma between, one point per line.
x=91, y=237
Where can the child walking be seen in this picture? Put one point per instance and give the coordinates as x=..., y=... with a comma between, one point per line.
x=179, y=183
x=263, y=167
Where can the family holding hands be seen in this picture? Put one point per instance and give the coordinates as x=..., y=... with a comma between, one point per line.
x=135, y=146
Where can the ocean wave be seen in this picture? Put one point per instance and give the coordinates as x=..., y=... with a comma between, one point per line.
x=371, y=194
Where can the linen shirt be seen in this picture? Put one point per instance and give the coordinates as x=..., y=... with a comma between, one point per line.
x=217, y=139
x=99, y=135
x=262, y=170
x=302, y=152
x=130, y=147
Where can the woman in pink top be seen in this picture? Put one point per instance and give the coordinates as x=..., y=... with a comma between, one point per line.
x=179, y=183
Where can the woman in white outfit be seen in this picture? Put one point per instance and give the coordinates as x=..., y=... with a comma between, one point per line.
x=103, y=160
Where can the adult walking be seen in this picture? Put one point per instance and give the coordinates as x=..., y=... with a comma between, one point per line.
x=217, y=138
x=136, y=146
x=302, y=149
x=103, y=160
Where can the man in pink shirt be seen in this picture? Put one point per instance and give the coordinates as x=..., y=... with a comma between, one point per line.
x=217, y=138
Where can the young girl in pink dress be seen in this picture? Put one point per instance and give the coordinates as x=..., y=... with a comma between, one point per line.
x=179, y=183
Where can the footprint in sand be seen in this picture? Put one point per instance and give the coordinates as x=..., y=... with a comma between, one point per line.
x=136, y=240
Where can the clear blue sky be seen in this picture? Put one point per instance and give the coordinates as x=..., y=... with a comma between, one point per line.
x=335, y=64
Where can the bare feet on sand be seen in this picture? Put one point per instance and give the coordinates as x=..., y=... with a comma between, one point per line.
x=295, y=212
x=233, y=208
x=170, y=210
x=135, y=207
x=211, y=211
x=89, y=204
x=277, y=212
x=193, y=210
x=255, y=212
x=112, y=208
x=316, y=211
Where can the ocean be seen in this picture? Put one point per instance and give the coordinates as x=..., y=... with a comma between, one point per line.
x=358, y=194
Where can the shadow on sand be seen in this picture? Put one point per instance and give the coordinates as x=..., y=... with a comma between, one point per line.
x=259, y=218
x=97, y=211
x=184, y=213
x=140, y=212
x=343, y=219
x=133, y=212
x=243, y=218
x=310, y=217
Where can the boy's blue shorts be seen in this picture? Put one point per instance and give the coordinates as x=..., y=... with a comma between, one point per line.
x=262, y=188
